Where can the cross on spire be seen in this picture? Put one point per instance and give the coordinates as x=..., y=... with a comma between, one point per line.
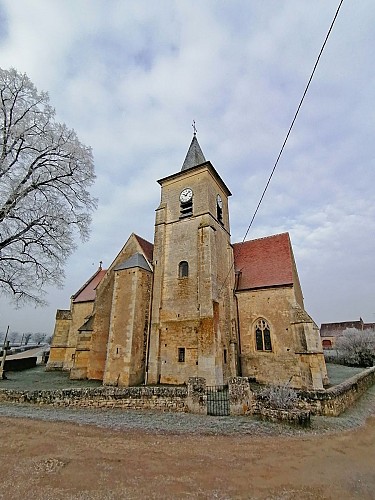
x=194, y=128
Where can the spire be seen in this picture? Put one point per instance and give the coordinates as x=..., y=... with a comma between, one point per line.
x=194, y=155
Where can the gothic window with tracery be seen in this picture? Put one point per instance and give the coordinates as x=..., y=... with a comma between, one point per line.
x=263, y=335
x=183, y=269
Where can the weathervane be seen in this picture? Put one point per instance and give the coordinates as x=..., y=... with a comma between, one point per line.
x=194, y=128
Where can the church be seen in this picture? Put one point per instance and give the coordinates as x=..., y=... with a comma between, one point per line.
x=192, y=304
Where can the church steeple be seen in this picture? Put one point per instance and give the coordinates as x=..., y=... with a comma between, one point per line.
x=194, y=155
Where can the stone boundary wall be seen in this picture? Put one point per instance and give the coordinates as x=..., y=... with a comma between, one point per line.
x=137, y=398
x=296, y=416
x=192, y=398
x=335, y=400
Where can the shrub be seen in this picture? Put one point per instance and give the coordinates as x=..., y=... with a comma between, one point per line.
x=356, y=348
x=279, y=397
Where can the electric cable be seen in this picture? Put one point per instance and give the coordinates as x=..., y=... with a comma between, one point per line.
x=287, y=135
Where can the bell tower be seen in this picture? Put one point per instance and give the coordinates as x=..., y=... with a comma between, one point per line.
x=193, y=331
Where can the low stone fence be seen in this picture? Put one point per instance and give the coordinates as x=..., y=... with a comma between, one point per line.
x=193, y=398
x=295, y=416
x=145, y=397
x=333, y=401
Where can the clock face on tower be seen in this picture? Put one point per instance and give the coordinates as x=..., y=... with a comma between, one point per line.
x=186, y=195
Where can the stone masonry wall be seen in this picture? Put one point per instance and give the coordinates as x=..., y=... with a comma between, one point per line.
x=154, y=398
x=242, y=401
x=335, y=400
x=59, y=340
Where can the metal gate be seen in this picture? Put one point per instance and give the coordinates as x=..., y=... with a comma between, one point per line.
x=217, y=400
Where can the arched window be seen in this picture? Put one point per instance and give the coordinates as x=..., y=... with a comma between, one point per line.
x=263, y=335
x=183, y=269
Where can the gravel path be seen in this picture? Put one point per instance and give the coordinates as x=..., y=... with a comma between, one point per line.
x=184, y=423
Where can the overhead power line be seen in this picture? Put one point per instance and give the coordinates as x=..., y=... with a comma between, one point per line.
x=289, y=131
x=293, y=121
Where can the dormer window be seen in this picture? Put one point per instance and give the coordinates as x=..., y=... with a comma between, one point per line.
x=186, y=203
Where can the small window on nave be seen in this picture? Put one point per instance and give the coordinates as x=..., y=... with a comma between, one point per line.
x=181, y=354
x=183, y=269
x=262, y=335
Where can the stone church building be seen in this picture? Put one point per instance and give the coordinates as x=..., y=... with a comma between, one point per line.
x=192, y=304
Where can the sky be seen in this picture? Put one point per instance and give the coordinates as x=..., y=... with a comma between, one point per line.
x=131, y=76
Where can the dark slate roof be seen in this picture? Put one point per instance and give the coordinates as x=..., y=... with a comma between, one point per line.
x=264, y=262
x=194, y=155
x=88, y=291
x=136, y=260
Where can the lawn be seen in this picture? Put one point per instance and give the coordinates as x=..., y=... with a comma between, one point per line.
x=37, y=378
x=339, y=373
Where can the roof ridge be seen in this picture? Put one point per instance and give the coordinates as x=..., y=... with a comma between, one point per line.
x=88, y=282
x=262, y=238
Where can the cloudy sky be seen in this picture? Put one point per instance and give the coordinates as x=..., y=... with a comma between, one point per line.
x=130, y=76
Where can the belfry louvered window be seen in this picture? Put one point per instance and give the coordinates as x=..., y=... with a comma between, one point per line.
x=263, y=335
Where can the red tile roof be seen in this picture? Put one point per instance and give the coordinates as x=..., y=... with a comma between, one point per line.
x=264, y=262
x=88, y=291
x=146, y=246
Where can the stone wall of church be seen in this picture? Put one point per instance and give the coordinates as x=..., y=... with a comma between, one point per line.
x=175, y=335
x=79, y=369
x=291, y=359
x=314, y=371
x=193, y=320
x=59, y=340
x=103, y=306
x=99, y=338
x=296, y=283
x=127, y=342
x=79, y=311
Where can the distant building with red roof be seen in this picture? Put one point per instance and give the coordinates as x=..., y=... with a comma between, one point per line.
x=330, y=332
x=192, y=304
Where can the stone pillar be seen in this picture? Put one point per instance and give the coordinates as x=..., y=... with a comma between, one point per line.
x=240, y=396
x=197, y=399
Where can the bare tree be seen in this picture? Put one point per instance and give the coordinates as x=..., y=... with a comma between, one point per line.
x=14, y=337
x=45, y=173
x=356, y=347
x=27, y=337
x=39, y=337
